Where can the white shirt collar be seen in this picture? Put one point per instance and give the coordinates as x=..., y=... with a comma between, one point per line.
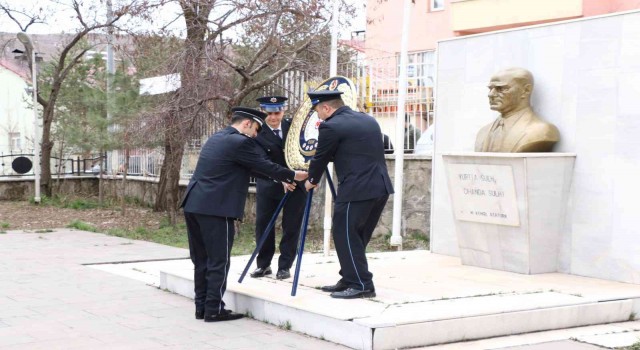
x=279, y=127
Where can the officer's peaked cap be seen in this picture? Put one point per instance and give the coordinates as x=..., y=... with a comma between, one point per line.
x=254, y=114
x=272, y=103
x=318, y=96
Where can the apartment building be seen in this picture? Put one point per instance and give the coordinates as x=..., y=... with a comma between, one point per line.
x=434, y=20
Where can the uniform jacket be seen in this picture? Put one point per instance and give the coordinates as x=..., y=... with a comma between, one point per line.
x=220, y=183
x=274, y=148
x=353, y=141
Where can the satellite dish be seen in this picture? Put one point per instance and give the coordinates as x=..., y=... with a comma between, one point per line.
x=21, y=165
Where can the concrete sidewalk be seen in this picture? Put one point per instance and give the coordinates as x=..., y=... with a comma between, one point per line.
x=429, y=299
x=50, y=300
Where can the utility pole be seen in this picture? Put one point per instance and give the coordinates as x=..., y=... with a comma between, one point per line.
x=110, y=72
x=396, y=237
x=333, y=71
x=28, y=44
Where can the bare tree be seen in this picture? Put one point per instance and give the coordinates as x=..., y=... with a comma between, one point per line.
x=88, y=21
x=232, y=49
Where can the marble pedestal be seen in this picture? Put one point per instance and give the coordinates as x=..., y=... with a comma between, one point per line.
x=509, y=208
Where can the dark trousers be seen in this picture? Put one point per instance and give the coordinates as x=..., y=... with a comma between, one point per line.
x=210, y=242
x=291, y=221
x=353, y=225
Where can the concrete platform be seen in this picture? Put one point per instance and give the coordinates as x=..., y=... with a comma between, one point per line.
x=422, y=299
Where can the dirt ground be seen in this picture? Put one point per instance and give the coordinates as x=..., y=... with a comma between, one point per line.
x=26, y=216
x=22, y=215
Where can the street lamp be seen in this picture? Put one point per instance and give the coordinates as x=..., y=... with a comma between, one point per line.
x=28, y=44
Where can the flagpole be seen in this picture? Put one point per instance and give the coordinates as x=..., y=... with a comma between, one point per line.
x=396, y=237
x=333, y=71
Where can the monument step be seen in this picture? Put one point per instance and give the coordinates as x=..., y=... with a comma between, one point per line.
x=398, y=319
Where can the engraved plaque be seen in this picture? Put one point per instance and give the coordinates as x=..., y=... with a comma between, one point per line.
x=483, y=193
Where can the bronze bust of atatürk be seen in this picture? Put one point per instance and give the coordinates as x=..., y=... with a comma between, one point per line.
x=518, y=128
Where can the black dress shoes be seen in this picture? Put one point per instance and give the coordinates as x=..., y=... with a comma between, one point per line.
x=351, y=293
x=199, y=314
x=261, y=272
x=338, y=287
x=283, y=274
x=225, y=315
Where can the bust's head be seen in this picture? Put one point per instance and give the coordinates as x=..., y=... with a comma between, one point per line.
x=510, y=90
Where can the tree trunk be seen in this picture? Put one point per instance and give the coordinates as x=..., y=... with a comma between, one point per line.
x=123, y=201
x=46, y=143
x=60, y=162
x=177, y=126
x=101, y=168
x=168, y=188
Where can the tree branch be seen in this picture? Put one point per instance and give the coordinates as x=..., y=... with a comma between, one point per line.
x=32, y=19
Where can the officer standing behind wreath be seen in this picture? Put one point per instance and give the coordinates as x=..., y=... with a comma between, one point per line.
x=353, y=141
x=215, y=198
x=269, y=194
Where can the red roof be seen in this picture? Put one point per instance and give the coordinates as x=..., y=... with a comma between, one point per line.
x=19, y=70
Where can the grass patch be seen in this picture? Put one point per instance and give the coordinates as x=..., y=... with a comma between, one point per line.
x=83, y=203
x=245, y=242
x=78, y=203
x=83, y=226
x=167, y=235
x=2, y=232
x=285, y=325
x=134, y=201
x=411, y=241
x=4, y=224
x=635, y=346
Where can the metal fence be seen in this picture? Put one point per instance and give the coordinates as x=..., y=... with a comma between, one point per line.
x=377, y=84
x=376, y=81
x=142, y=162
x=20, y=163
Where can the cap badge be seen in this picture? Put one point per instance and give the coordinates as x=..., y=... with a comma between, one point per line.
x=273, y=100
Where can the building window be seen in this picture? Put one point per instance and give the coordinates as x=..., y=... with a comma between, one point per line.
x=14, y=141
x=437, y=5
x=420, y=68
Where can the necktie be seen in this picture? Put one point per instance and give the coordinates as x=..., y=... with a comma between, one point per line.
x=277, y=132
x=495, y=143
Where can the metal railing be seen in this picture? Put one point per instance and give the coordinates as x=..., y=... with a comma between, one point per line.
x=377, y=82
x=10, y=164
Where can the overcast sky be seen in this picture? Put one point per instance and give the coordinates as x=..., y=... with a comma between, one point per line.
x=63, y=19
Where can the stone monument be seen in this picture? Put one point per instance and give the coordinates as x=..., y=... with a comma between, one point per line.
x=587, y=83
x=509, y=207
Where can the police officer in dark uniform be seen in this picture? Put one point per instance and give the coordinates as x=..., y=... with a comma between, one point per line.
x=269, y=194
x=215, y=198
x=353, y=141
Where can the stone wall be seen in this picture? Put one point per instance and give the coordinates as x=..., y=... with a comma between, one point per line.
x=22, y=188
x=416, y=196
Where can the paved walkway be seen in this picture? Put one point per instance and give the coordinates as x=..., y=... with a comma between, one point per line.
x=49, y=299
